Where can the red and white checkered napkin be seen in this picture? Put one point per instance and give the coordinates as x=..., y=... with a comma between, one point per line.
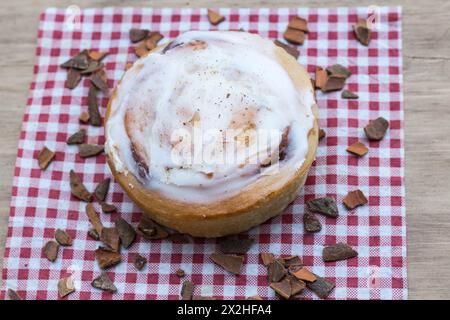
x=41, y=200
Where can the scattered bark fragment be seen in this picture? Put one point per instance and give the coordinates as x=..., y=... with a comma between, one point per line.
x=95, y=118
x=73, y=78
x=298, y=24
x=77, y=137
x=150, y=229
x=97, y=55
x=293, y=51
x=106, y=258
x=214, y=17
x=358, y=149
x=110, y=237
x=305, y=275
x=346, y=94
x=322, y=134
x=282, y=288
x=237, y=246
x=230, y=262
x=137, y=35
x=141, y=49
x=126, y=232
x=294, y=36
x=13, y=295
x=100, y=80
x=187, y=290
x=311, y=223
x=139, y=262
x=50, y=250
x=45, y=156
x=321, y=287
x=326, y=206
x=362, y=31
x=63, y=238
x=339, y=71
x=93, y=234
x=376, y=129
x=297, y=285
x=79, y=61
x=104, y=282
x=179, y=238
x=84, y=117
x=180, y=273
x=94, y=218
x=90, y=150
x=321, y=78
x=333, y=83
x=150, y=44
x=291, y=261
x=155, y=36
x=267, y=258
x=340, y=251
x=255, y=297
x=354, y=199
x=65, y=286
x=276, y=271
x=108, y=208
x=102, y=190
x=94, y=66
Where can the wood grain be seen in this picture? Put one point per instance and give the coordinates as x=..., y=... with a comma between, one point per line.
x=427, y=116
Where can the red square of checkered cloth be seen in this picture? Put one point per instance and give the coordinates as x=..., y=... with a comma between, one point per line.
x=41, y=200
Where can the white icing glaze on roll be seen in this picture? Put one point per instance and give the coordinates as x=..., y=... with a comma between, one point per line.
x=207, y=81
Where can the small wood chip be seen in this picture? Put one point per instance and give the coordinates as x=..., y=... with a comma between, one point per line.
x=305, y=275
x=311, y=223
x=77, y=187
x=294, y=36
x=237, y=246
x=180, y=273
x=73, y=78
x=326, y=206
x=297, y=285
x=150, y=44
x=293, y=51
x=276, y=271
x=100, y=80
x=155, y=36
x=150, y=229
x=90, y=150
x=50, y=250
x=139, y=262
x=108, y=208
x=65, y=286
x=346, y=94
x=291, y=261
x=102, y=190
x=230, y=262
x=282, y=288
x=93, y=234
x=298, y=24
x=45, y=157
x=321, y=287
x=358, y=149
x=354, y=199
x=95, y=119
x=333, y=83
x=97, y=55
x=126, y=232
x=214, y=17
x=141, y=49
x=77, y=137
x=340, y=251
x=187, y=290
x=321, y=78
x=79, y=61
x=110, y=237
x=104, y=282
x=376, y=129
x=106, y=258
x=322, y=134
x=137, y=35
x=267, y=258
x=94, y=219
x=339, y=71
x=362, y=32
x=63, y=238
x=13, y=295
x=84, y=117
x=94, y=66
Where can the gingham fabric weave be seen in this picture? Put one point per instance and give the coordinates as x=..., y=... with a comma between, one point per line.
x=41, y=200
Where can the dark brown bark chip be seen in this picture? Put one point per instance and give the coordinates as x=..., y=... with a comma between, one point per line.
x=110, y=237
x=50, y=250
x=322, y=134
x=139, y=261
x=340, y=251
x=150, y=229
x=102, y=190
x=326, y=206
x=94, y=66
x=297, y=286
x=354, y=199
x=311, y=223
x=362, y=32
x=93, y=234
x=333, y=83
x=65, y=287
x=180, y=273
x=94, y=219
x=338, y=70
x=79, y=61
x=267, y=258
x=73, y=78
x=214, y=17
x=137, y=35
x=276, y=271
x=126, y=232
x=100, y=80
x=90, y=150
x=187, y=290
x=95, y=119
x=77, y=137
x=376, y=129
x=294, y=36
x=45, y=157
x=13, y=295
x=346, y=94
x=293, y=51
x=106, y=258
x=63, y=238
x=238, y=246
x=282, y=288
x=108, y=208
x=104, y=282
x=291, y=261
x=230, y=262
x=321, y=287
x=97, y=55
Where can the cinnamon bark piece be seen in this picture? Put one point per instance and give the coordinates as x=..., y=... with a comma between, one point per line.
x=267, y=258
x=79, y=61
x=326, y=206
x=321, y=78
x=231, y=263
x=346, y=94
x=63, y=238
x=137, y=35
x=322, y=134
x=84, y=117
x=94, y=219
x=126, y=232
x=293, y=51
x=150, y=229
x=354, y=199
x=110, y=237
x=376, y=129
x=106, y=258
x=73, y=78
x=321, y=287
x=276, y=271
x=45, y=157
x=362, y=32
x=311, y=223
x=214, y=17
x=97, y=55
x=104, y=282
x=139, y=262
x=298, y=24
x=108, y=208
x=100, y=80
x=95, y=118
x=90, y=150
x=65, y=286
x=187, y=290
x=51, y=249
x=340, y=251
x=305, y=275
x=77, y=137
x=294, y=36
x=102, y=190
x=358, y=149
x=78, y=189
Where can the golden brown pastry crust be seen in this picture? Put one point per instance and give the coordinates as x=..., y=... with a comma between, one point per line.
x=258, y=202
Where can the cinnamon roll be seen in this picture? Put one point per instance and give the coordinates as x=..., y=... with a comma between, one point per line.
x=213, y=133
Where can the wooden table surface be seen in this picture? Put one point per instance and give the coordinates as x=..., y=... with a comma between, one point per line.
x=426, y=35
